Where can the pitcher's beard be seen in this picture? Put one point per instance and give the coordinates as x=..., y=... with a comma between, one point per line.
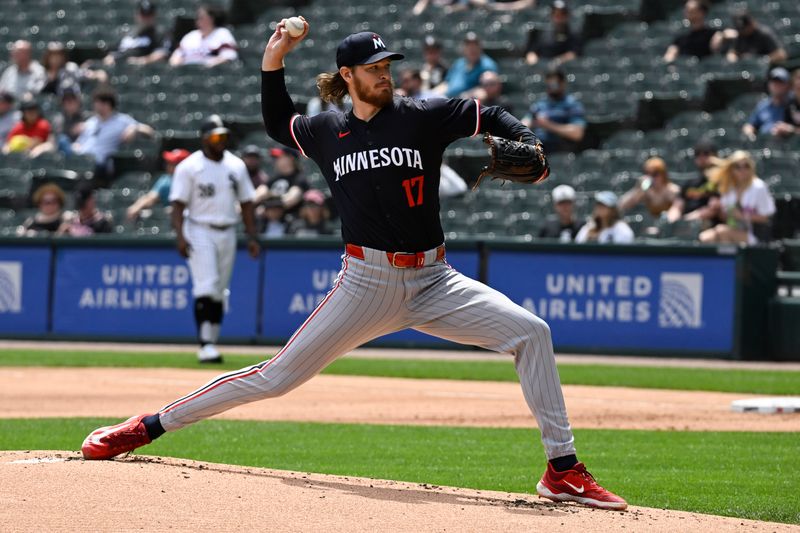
x=378, y=99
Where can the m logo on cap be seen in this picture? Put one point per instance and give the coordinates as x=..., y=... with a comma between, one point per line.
x=377, y=42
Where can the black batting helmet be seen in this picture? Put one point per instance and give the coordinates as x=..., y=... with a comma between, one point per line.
x=213, y=124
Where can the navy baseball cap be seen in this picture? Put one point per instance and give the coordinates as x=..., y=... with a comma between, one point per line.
x=779, y=74
x=251, y=149
x=362, y=49
x=29, y=103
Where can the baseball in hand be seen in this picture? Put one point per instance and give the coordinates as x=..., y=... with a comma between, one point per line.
x=295, y=26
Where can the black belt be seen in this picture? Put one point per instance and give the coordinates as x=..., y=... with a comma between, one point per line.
x=218, y=227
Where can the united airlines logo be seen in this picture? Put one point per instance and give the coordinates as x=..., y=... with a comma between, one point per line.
x=681, y=303
x=10, y=287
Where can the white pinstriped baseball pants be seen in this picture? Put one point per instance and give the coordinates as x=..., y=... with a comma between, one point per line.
x=371, y=298
x=210, y=259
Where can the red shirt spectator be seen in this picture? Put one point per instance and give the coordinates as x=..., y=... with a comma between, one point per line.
x=38, y=130
x=30, y=132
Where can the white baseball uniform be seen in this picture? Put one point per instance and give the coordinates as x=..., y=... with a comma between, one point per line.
x=211, y=191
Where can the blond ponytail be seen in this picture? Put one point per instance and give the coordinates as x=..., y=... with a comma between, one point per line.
x=332, y=87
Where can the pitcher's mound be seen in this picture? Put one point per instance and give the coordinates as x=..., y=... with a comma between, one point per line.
x=55, y=491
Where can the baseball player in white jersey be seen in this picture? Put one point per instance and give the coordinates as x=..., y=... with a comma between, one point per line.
x=206, y=188
x=381, y=161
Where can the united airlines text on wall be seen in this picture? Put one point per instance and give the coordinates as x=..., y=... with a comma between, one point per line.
x=634, y=302
x=142, y=291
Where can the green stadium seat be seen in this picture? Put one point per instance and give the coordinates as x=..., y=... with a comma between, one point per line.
x=68, y=180
x=615, y=71
x=523, y=223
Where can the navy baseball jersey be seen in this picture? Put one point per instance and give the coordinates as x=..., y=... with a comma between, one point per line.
x=384, y=173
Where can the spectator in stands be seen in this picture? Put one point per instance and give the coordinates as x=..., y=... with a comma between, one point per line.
x=653, y=189
x=252, y=157
x=421, y=5
x=606, y=226
x=746, y=203
x=60, y=74
x=447, y=6
x=9, y=115
x=211, y=44
x=105, y=131
x=751, y=39
x=466, y=72
x=411, y=85
x=70, y=120
x=451, y=6
x=49, y=200
x=286, y=182
x=699, y=199
x=451, y=184
x=563, y=226
x=273, y=215
x=145, y=43
x=159, y=193
x=434, y=69
x=30, y=132
x=317, y=105
x=25, y=76
x=697, y=41
x=557, y=120
x=790, y=125
x=490, y=91
x=313, y=219
x=86, y=219
x=507, y=6
x=557, y=43
x=771, y=110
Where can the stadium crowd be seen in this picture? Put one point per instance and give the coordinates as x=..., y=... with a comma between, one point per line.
x=725, y=200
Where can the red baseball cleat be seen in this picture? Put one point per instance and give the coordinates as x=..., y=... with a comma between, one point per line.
x=577, y=485
x=110, y=441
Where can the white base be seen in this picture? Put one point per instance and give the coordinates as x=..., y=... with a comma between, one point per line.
x=777, y=405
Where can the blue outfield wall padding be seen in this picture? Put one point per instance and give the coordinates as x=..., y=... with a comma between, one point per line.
x=24, y=289
x=143, y=292
x=628, y=302
x=597, y=299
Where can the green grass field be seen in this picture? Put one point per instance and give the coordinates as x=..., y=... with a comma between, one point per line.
x=747, y=475
x=743, y=381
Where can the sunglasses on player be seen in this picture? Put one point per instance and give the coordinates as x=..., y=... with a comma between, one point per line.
x=218, y=138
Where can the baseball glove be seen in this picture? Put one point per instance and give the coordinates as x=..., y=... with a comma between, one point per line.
x=514, y=161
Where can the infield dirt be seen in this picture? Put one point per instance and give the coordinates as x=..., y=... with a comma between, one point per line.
x=58, y=491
